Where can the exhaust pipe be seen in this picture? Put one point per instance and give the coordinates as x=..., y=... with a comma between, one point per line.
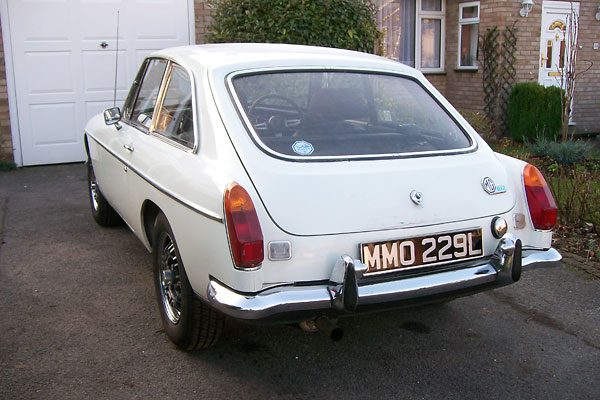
x=326, y=326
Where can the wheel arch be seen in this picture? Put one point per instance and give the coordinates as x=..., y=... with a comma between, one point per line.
x=149, y=212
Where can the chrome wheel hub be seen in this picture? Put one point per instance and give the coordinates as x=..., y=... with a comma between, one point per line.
x=93, y=188
x=169, y=280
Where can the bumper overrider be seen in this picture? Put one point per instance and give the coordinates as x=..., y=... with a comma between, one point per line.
x=348, y=291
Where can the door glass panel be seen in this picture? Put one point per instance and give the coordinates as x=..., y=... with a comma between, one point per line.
x=561, y=62
x=146, y=100
x=549, y=55
x=176, y=118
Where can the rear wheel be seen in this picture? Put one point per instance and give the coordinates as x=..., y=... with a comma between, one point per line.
x=189, y=322
x=102, y=212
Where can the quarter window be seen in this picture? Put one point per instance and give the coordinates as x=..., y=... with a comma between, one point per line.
x=148, y=93
x=468, y=34
x=414, y=32
x=175, y=118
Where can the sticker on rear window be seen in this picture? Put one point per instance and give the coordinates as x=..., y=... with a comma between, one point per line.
x=303, y=148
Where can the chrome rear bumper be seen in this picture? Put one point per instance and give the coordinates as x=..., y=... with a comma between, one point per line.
x=348, y=291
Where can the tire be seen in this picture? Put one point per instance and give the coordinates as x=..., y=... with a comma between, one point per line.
x=102, y=212
x=188, y=322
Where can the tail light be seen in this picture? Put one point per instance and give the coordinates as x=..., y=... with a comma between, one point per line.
x=245, y=235
x=542, y=207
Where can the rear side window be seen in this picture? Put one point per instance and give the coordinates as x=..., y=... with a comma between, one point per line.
x=148, y=93
x=339, y=114
x=175, y=118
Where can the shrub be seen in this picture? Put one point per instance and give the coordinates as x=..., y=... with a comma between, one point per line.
x=534, y=111
x=576, y=189
x=480, y=123
x=345, y=24
x=564, y=153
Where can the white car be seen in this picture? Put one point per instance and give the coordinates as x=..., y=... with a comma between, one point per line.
x=299, y=184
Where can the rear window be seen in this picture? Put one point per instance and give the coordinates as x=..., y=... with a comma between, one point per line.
x=340, y=114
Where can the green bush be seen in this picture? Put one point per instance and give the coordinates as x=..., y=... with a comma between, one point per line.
x=480, y=123
x=534, y=111
x=564, y=153
x=345, y=24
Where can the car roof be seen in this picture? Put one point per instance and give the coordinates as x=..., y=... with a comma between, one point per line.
x=240, y=56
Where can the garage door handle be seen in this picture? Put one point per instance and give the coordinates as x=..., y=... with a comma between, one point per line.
x=128, y=147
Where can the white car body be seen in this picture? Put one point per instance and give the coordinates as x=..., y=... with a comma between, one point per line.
x=323, y=209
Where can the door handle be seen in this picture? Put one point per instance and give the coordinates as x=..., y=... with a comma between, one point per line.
x=128, y=147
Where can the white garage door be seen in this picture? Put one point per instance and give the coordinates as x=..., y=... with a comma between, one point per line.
x=63, y=63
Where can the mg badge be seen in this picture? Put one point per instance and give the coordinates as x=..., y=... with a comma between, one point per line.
x=417, y=197
x=490, y=187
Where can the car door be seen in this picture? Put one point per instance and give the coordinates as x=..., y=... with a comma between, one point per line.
x=138, y=112
x=164, y=157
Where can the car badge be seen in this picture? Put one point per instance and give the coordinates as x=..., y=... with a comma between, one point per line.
x=490, y=187
x=417, y=197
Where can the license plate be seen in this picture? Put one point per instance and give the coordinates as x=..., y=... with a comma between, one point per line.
x=422, y=251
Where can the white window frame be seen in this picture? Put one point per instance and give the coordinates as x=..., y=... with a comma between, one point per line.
x=420, y=16
x=466, y=21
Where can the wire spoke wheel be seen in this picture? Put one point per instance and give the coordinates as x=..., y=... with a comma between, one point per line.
x=188, y=320
x=169, y=279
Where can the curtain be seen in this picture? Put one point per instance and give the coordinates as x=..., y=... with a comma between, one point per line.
x=396, y=18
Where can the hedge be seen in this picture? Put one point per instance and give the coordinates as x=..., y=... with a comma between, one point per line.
x=534, y=111
x=345, y=24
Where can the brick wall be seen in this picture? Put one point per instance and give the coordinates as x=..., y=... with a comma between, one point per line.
x=202, y=17
x=586, y=108
x=6, y=148
x=464, y=89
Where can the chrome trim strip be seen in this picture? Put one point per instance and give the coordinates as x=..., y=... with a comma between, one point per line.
x=191, y=206
x=281, y=300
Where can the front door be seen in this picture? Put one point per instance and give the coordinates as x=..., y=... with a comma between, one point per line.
x=63, y=59
x=555, y=42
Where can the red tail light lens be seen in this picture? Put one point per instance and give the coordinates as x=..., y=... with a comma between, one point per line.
x=245, y=235
x=539, y=199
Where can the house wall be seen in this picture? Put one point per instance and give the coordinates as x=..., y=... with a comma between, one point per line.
x=464, y=89
x=6, y=148
x=586, y=107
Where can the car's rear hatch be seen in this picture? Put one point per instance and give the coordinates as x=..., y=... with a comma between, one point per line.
x=319, y=198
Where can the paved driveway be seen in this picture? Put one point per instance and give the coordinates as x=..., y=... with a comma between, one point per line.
x=78, y=319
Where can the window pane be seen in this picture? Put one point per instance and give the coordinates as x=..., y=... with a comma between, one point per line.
x=470, y=12
x=431, y=30
x=397, y=20
x=468, y=46
x=176, y=118
x=347, y=113
x=146, y=101
x=431, y=5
